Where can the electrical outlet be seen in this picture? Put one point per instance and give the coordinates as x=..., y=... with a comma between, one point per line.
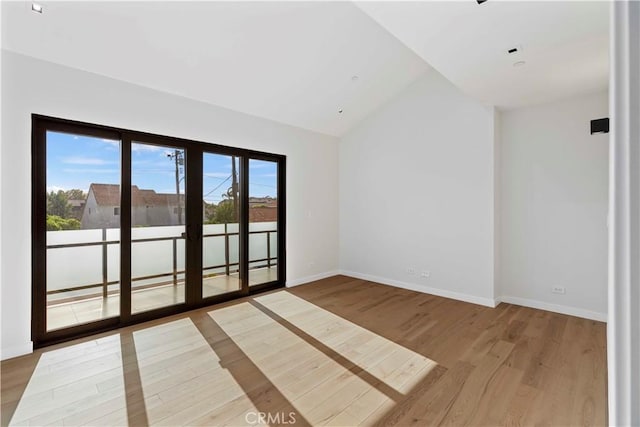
x=559, y=290
x=411, y=271
x=425, y=274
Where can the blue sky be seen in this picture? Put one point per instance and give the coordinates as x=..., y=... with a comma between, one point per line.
x=75, y=161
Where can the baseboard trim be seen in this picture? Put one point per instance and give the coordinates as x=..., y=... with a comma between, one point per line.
x=313, y=278
x=487, y=302
x=556, y=308
x=17, y=350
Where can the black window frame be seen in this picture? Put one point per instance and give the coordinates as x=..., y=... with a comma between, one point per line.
x=193, y=213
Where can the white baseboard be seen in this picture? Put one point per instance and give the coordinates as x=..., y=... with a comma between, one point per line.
x=488, y=302
x=17, y=350
x=303, y=280
x=27, y=348
x=556, y=308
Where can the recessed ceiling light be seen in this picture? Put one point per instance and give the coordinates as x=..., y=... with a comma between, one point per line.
x=36, y=7
x=519, y=63
x=354, y=78
x=340, y=111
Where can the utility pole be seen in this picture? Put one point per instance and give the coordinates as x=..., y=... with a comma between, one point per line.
x=179, y=161
x=234, y=187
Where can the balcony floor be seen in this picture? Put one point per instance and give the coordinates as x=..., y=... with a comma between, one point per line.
x=91, y=309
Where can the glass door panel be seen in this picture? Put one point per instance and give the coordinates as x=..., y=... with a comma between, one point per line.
x=199, y=224
x=263, y=222
x=158, y=230
x=220, y=240
x=82, y=229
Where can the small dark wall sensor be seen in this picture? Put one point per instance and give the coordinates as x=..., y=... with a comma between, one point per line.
x=600, y=126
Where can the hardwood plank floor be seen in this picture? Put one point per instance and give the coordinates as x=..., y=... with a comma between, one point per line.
x=339, y=351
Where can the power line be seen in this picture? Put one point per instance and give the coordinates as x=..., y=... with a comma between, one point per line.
x=219, y=185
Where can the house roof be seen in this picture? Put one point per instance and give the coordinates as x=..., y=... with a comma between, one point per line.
x=268, y=201
x=106, y=194
x=109, y=195
x=263, y=214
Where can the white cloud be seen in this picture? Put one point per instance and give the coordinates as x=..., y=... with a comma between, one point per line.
x=136, y=148
x=260, y=164
x=90, y=161
x=96, y=171
x=222, y=175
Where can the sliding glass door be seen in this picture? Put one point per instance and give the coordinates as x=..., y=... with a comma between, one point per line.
x=263, y=222
x=158, y=226
x=129, y=227
x=82, y=223
x=221, y=231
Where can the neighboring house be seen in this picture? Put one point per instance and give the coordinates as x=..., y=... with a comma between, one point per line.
x=148, y=208
x=77, y=207
x=263, y=209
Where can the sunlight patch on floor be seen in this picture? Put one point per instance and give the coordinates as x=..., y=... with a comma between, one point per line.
x=73, y=384
x=403, y=368
x=334, y=372
x=276, y=353
x=185, y=376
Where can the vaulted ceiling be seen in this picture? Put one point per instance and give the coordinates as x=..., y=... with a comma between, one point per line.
x=299, y=63
x=562, y=46
x=291, y=62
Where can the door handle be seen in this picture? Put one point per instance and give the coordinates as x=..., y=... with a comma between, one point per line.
x=188, y=235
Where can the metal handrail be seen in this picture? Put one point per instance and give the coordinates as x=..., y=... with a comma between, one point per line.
x=105, y=243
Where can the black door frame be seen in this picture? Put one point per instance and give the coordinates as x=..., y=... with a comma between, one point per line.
x=193, y=216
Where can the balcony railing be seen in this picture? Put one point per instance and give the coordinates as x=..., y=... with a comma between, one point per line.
x=229, y=267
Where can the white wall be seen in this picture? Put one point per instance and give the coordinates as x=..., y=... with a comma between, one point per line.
x=553, y=206
x=417, y=191
x=33, y=86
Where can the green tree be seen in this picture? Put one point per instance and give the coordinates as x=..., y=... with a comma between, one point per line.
x=58, y=204
x=56, y=223
x=223, y=214
x=209, y=212
x=75, y=194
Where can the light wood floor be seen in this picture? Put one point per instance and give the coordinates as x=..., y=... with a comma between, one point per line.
x=339, y=351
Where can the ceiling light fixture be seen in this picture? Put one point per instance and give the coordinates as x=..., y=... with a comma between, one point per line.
x=340, y=111
x=36, y=7
x=354, y=78
x=519, y=63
